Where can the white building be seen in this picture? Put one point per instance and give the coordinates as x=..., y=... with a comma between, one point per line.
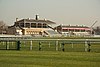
x=74, y=30
x=31, y=27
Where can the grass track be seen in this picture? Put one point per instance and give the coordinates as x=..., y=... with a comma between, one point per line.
x=48, y=59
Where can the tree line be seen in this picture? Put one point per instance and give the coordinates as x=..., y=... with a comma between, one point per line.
x=3, y=27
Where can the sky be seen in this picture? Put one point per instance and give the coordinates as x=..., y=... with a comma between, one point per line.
x=66, y=12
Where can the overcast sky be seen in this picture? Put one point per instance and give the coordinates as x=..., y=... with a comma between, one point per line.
x=73, y=12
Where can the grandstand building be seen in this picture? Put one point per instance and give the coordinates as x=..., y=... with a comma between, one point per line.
x=73, y=30
x=31, y=27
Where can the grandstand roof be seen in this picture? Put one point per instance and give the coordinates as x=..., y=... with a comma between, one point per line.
x=69, y=26
x=34, y=20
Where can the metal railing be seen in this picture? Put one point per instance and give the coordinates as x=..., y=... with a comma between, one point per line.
x=63, y=42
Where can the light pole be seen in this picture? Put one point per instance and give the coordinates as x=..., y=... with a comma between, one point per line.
x=92, y=26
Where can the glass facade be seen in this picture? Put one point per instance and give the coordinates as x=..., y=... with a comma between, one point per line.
x=21, y=24
x=33, y=25
x=44, y=25
x=27, y=25
x=39, y=25
x=75, y=30
x=16, y=24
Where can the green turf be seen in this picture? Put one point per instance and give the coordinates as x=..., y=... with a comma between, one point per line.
x=48, y=59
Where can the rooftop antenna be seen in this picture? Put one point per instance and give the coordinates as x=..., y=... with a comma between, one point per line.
x=16, y=19
x=37, y=16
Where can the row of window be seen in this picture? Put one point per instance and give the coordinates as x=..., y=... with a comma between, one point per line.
x=32, y=32
x=75, y=30
x=33, y=25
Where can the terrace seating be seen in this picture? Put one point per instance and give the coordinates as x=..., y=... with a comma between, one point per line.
x=53, y=33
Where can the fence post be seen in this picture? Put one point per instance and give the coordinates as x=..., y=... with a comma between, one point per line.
x=72, y=45
x=89, y=47
x=3, y=43
x=12, y=43
x=56, y=45
x=30, y=45
x=18, y=45
x=49, y=44
x=60, y=45
x=40, y=46
x=7, y=45
x=63, y=47
x=86, y=46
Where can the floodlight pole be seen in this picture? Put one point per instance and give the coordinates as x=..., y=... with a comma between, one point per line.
x=92, y=26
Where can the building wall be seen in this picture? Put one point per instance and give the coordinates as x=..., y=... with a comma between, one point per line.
x=11, y=31
x=19, y=32
x=14, y=31
x=29, y=27
x=74, y=30
x=33, y=31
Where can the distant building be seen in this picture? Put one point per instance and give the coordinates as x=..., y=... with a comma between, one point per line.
x=73, y=30
x=30, y=27
x=97, y=30
x=13, y=30
x=3, y=30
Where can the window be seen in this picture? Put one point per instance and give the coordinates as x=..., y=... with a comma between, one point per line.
x=77, y=30
x=17, y=24
x=71, y=29
x=88, y=30
x=27, y=25
x=33, y=25
x=39, y=25
x=65, y=30
x=21, y=24
x=44, y=25
x=82, y=30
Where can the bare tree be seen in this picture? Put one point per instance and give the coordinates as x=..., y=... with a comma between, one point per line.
x=97, y=30
x=3, y=27
x=2, y=23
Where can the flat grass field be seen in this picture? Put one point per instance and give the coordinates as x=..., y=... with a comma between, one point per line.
x=13, y=58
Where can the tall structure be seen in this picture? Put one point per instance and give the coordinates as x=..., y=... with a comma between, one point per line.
x=30, y=26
